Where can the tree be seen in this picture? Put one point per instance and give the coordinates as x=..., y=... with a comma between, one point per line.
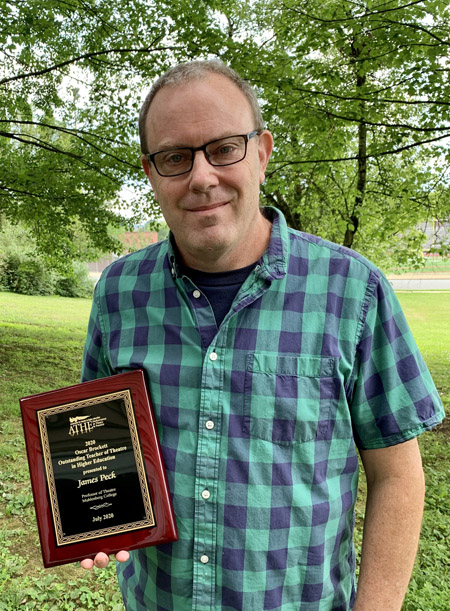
x=355, y=92
x=358, y=96
x=72, y=79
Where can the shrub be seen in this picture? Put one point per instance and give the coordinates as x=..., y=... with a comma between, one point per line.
x=8, y=272
x=75, y=283
x=24, y=271
x=31, y=277
x=27, y=276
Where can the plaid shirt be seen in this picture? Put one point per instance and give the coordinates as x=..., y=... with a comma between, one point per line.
x=259, y=420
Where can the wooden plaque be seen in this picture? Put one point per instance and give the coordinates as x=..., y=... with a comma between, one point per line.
x=96, y=469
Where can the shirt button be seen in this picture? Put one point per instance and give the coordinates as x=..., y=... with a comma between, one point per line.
x=206, y=494
x=213, y=356
x=209, y=425
x=204, y=559
x=196, y=294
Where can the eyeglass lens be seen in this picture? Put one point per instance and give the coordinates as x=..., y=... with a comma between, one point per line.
x=225, y=151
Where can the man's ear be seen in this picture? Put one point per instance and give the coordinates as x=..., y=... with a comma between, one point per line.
x=265, y=146
x=148, y=172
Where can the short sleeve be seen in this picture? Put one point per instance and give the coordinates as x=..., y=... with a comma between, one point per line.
x=394, y=398
x=95, y=358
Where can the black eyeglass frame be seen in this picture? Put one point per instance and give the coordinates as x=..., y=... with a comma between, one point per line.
x=247, y=138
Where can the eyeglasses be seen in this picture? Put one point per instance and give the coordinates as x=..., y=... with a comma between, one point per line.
x=221, y=152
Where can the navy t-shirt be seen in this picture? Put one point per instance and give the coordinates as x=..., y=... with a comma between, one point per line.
x=220, y=288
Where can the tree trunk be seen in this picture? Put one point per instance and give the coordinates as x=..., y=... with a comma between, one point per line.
x=353, y=221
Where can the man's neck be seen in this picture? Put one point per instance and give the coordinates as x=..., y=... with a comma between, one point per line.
x=247, y=253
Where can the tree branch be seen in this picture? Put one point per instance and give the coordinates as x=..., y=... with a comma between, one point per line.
x=388, y=125
x=66, y=130
x=354, y=157
x=10, y=190
x=352, y=18
x=72, y=132
x=416, y=26
x=91, y=55
x=363, y=99
x=33, y=140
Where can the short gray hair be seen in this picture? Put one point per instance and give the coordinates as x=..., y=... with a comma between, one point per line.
x=190, y=71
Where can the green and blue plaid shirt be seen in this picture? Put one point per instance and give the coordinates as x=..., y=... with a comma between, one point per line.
x=260, y=419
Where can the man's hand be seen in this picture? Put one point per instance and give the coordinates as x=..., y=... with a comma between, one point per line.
x=101, y=560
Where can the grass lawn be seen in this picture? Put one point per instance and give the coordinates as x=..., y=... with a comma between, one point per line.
x=41, y=343
x=428, y=314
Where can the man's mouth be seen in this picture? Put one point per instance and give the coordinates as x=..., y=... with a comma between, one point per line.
x=207, y=208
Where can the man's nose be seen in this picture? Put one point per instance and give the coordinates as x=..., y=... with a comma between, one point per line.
x=203, y=175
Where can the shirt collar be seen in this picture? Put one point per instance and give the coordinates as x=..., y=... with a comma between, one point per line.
x=276, y=256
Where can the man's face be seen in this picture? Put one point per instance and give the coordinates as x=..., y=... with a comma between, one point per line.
x=213, y=212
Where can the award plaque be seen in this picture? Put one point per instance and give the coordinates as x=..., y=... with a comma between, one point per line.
x=96, y=469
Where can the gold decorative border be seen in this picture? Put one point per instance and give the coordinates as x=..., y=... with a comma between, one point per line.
x=149, y=520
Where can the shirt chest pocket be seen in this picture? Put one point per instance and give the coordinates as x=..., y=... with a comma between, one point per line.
x=288, y=399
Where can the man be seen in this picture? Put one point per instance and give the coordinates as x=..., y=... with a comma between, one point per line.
x=270, y=356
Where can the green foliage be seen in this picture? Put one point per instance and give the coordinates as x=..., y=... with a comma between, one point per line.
x=26, y=276
x=429, y=586
x=16, y=503
x=47, y=592
x=71, y=83
x=75, y=283
x=354, y=97
x=41, y=349
x=355, y=93
x=32, y=277
x=24, y=270
x=163, y=232
x=427, y=315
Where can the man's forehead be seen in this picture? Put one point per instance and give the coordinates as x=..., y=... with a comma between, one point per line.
x=206, y=108
x=197, y=85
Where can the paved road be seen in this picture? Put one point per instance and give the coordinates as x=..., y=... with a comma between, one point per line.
x=420, y=284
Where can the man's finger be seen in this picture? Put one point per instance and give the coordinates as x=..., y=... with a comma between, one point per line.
x=87, y=564
x=101, y=560
x=122, y=556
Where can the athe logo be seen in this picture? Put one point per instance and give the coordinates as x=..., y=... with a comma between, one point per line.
x=80, y=425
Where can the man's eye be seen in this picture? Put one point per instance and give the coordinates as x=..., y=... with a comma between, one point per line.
x=225, y=149
x=174, y=158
